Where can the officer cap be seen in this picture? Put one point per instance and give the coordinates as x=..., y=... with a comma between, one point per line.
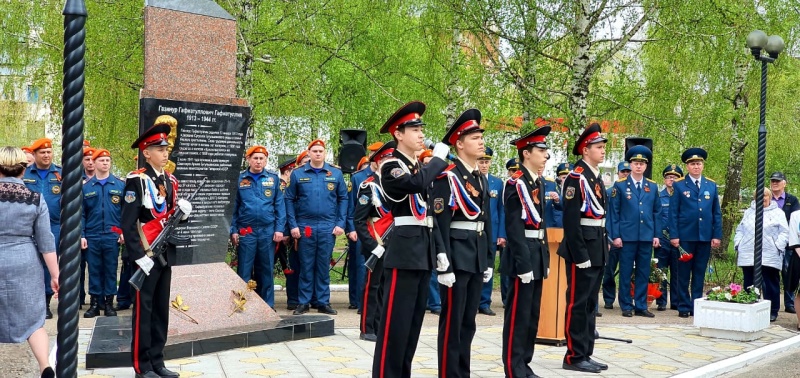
x=100, y=152
x=425, y=154
x=408, y=115
x=316, y=142
x=623, y=166
x=88, y=151
x=301, y=157
x=487, y=154
x=287, y=164
x=38, y=144
x=534, y=138
x=512, y=163
x=564, y=168
x=672, y=169
x=374, y=146
x=157, y=134
x=256, y=149
x=590, y=135
x=694, y=154
x=639, y=153
x=467, y=123
x=385, y=151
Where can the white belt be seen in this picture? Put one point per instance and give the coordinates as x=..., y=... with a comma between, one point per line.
x=413, y=221
x=467, y=225
x=534, y=234
x=593, y=222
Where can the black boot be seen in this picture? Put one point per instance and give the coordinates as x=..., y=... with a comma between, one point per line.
x=48, y=313
x=94, y=308
x=109, y=310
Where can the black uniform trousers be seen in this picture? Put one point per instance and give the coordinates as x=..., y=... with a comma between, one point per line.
x=372, y=302
x=151, y=320
x=520, y=326
x=583, y=286
x=405, y=297
x=457, y=323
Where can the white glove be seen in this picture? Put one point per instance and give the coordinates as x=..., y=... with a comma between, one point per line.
x=585, y=264
x=447, y=279
x=378, y=251
x=146, y=264
x=441, y=151
x=441, y=262
x=548, y=272
x=487, y=275
x=526, y=278
x=186, y=207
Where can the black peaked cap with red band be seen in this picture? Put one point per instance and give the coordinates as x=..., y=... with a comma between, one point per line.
x=154, y=136
x=409, y=115
x=467, y=123
x=386, y=150
x=534, y=138
x=590, y=135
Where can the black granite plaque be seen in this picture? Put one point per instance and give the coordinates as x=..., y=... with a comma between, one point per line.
x=210, y=143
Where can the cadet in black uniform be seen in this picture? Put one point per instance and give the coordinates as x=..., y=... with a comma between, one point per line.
x=527, y=258
x=410, y=252
x=461, y=207
x=585, y=248
x=373, y=221
x=151, y=194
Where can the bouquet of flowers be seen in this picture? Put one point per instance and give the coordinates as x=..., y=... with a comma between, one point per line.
x=734, y=293
x=656, y=274
x=685, y=256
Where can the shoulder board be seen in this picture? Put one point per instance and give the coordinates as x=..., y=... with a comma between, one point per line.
x=711, y=180
x=679, y=179
x=648, y=180
x=444, y=172
x=57, y=166
x=578, y=170
x=622, y=179
x=136, y=173
x=550, y=179
x=272, y=172
x=365, y=183
x=370, y=179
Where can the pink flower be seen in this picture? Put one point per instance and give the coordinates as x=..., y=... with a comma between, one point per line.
x=735, y=287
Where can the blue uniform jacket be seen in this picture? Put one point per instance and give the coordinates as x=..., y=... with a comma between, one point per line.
x=634, y=215
x=316, y=197
x=496, y=186
x=552, y=210
x=102, y=205
x=352, y=195
x=49, y=187
x=694, y=215
x=259, y=202
x=664, y=197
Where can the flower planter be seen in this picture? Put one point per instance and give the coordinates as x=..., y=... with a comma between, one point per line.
x=732, y=321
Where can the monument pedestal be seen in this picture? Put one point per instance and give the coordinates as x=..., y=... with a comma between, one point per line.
x=554, y=291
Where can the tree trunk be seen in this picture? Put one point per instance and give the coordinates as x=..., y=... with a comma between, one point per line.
x=527, y=84
x=581, y=67
x=244, y=63
x=453, y=91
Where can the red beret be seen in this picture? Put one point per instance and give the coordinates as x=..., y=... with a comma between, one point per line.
x=100, y=152
x=316, y=142
x=38, y=144
x=256, y=149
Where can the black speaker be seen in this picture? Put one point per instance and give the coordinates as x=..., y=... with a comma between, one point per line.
x=647, y=142
x=352, y=147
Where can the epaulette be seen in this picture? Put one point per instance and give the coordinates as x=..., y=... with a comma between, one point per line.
x=365, y=183
x=370, y=179
x=515, y=176
x=711, y=180
x=651, y=181
x=622, y=179
x=444, y=172
x=136, y=173
x=550, y=179
x=679, y=179
x=578, y=170
x=273, y=172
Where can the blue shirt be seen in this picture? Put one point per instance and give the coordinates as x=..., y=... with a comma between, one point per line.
x=316, y=197
x=49, y=187
x=259, y=202
x=102, y=205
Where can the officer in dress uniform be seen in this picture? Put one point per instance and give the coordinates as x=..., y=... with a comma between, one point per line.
x=88, y=172
x=527, y=258
x=151, y=195
x=285, y=168
x=666, y=254
x=634, y=225
x=695, y=223
x=512, y=166
x=462, y=211
x=584, y=249
x=373, y=221
x=102, y=205
x=411, y=249
x=259, y=219
x=44, y=177
x=317, y=213
x=498, y=236
x=610, y=272
x=552, y=202
x=562, y=171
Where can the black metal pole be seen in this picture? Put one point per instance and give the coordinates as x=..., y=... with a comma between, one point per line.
x=762, y=159
x=72, y=155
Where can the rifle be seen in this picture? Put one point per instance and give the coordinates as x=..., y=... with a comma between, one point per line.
x=159, y=244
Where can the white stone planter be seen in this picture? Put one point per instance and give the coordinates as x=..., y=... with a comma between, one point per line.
x=733, y=321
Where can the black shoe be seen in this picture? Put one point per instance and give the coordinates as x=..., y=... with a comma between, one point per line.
x=791, y=310
x=327, y=309
x=627, y=313
x=48, y=314
x=487, y=311
x=368, y=337
x=359, y=311
x=301, y=309
x=94, y=308
x=683, y=314
x=662, y=308
x=584, y=366
x=645, y=313
x=148, y=374
x=673, y=307
x=436, y=312
x=352, y=307
x=601, y=365
x=773, y=318
x=291, y=307
x=599, y=315
x=609, y=306
x=48, y=373
x=121, y=307
x=164, y=372
x=109, y=308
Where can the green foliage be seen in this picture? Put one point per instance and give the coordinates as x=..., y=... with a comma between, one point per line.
x=734, y=293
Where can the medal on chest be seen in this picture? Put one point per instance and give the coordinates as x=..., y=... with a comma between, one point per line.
x=597, y=190
x=472, y=191
x=162, y=191
x=535, y=195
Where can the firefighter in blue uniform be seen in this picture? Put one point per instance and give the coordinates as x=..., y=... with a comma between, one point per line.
x=317, y=213
x=666, y=254
x=609, y=274
x=102, y=205
x=558, y=211
x=497, y=239
x=634, y=224
x=356, y=272
x=292, y=281
x=259, y=218
x=44, y=177
x=512, y=166
x=695, y=223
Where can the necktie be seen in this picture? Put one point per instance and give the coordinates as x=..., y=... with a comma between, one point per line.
x=477, y=175
x=697, y=182
x=639, y=186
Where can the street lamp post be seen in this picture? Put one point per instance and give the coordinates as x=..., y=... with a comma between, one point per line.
x=757, y=41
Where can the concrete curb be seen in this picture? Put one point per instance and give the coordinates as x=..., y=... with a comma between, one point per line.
x=334, y=287
x=733, y=363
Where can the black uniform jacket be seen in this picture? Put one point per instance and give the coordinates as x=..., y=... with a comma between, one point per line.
x=466, y=250
x=408, y=247
x=582, y=243
x=133, y=210
x=365, y=210
x=524, y=255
